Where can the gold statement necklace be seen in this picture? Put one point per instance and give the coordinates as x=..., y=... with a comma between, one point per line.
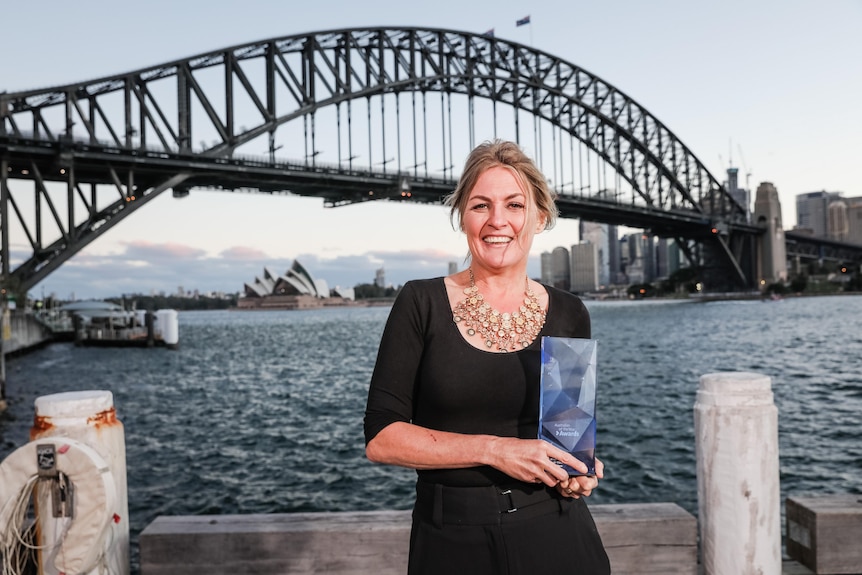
x=505, y=331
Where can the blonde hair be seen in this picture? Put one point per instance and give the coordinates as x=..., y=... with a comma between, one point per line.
x=508, y=155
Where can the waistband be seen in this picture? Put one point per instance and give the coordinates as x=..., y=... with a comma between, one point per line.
x=490, y=505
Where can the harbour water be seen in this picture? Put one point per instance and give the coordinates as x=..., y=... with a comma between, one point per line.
x=261, y=412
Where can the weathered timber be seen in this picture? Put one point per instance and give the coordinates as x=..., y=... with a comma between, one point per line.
x=372, y=542
x=648, y=538
x=641, y=538
x=824, y=532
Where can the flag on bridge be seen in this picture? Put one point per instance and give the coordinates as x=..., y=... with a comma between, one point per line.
x=523, y=21
x=489, y=33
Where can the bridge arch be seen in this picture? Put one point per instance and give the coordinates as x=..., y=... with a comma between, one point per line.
x=177, y=125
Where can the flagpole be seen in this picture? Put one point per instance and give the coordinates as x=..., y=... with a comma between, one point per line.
x=526, y=21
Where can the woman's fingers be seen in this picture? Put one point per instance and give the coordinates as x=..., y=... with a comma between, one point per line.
x=578, y=485
x=583, y=484
x=537, y=461
x=567, y=491
x=570, y=460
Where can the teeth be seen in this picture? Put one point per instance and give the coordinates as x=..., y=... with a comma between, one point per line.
x=497, y=240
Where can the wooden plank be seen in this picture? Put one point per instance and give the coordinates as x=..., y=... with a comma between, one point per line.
x=648, y=538
x=291, y=543
x=823, y=532
x=640, y=538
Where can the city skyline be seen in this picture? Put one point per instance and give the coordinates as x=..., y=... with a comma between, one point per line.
x=724, y=78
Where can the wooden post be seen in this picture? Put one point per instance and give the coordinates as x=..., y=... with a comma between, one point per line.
x=149, y=319
x=736, y=444
x=824, y=531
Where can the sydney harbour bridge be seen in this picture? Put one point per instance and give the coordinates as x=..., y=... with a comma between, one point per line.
x=354, y=115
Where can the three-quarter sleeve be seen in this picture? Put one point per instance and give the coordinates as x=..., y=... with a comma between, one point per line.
x=393, y=382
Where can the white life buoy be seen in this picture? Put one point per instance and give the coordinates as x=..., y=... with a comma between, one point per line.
x=81, y=543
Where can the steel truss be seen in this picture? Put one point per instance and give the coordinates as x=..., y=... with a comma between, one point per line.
x=806, y=247
x=77, y=159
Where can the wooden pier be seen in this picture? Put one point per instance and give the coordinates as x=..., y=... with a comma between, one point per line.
x=639, y=538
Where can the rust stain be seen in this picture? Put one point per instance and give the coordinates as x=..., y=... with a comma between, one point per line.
x=41, y=425
x=105, y=418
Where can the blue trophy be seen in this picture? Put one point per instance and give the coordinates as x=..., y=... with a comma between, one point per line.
x=567, y=402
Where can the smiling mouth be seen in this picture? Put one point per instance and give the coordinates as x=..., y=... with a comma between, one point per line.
x=496, y=240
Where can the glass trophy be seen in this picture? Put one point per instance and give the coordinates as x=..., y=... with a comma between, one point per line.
x=567, y=402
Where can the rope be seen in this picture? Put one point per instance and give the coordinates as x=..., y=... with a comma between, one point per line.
x=25, y=508
x=18, y=536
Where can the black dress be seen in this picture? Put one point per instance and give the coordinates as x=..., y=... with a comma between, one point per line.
x=477, y=520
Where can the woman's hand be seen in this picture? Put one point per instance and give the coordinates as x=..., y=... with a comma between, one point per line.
x=578, y=485
x=530, y=460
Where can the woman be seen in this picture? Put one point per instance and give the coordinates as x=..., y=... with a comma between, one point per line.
x=455, y=392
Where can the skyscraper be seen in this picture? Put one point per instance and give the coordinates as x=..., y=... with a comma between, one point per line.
x=614, y=267
x=585, y=267
x=837, y=225
x=812, y=212
x=741, y=195
x=380, y=278
x=546, y=264
x=639, y=258
x=560, y=269
x=597, y=235
x=854, y=221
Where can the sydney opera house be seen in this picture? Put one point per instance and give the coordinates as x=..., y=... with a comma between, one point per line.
x=295, y=289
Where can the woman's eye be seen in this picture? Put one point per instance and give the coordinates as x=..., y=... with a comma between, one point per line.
x=516, y=206
x=478, y=206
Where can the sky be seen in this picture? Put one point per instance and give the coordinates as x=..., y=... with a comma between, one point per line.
x=773, y=85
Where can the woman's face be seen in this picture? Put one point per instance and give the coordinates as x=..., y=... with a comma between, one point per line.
x=500, y=221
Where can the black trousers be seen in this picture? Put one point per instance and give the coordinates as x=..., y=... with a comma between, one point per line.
x=517, y=529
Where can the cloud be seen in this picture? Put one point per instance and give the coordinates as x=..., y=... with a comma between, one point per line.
x=145, y=267
x=242, y=253
x=398, y=266
x=143, y=249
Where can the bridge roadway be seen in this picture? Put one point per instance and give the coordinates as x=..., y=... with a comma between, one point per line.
x=143, y=169
x=101, y=164
x=336, y=185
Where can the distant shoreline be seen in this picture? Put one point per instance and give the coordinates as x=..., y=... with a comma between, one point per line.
x=320, y=304
x=727, y=296
x=766, y=297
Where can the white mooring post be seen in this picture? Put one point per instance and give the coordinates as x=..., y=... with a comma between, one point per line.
x=88, y=417
x=736, y=443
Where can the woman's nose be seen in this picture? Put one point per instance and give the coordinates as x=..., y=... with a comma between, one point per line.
x=496, y=217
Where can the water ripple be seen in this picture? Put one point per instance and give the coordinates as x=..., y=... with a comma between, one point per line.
x=261, y=412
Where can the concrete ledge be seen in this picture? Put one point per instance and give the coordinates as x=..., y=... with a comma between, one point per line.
x=641, y=538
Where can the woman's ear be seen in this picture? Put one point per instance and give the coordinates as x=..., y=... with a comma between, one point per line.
x=540, y=223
